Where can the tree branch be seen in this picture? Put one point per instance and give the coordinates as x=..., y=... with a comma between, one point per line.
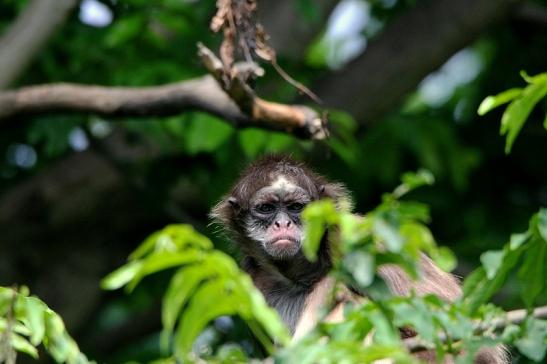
x=411, y=47
x=27, y=35
x=202, y=94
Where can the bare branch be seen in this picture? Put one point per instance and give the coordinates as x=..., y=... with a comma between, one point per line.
x=27, y=35
x=197, y=94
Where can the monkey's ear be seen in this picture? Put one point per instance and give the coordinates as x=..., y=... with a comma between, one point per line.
x=339, y=193
x=225, y=210
x=233, y=202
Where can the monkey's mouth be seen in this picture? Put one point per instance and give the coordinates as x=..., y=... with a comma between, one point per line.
x=283, y=240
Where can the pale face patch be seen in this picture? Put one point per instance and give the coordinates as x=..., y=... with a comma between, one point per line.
x=281, y=184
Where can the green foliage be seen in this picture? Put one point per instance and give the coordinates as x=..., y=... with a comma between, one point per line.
x=26, y=322
x=394, y=233
x=207, y=284
x=529, y=248
x=521, y=103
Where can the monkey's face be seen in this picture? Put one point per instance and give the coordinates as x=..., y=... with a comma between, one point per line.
x=273, y=219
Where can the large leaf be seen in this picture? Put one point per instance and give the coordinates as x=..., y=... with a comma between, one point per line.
x=532, y=272
x=121, y=276
x=517, y=112
x=34, y=319
x=212, y=299
x=532, y=344
x=32, y=323
x=316, y=216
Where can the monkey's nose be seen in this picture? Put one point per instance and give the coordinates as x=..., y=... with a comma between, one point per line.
x=282, y=223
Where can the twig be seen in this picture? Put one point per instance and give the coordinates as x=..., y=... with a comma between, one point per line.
x=299, y=86
x=236, y=86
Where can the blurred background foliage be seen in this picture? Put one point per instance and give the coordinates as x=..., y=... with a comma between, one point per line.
x=79, y=192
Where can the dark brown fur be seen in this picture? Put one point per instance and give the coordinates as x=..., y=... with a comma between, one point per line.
x=296, y=286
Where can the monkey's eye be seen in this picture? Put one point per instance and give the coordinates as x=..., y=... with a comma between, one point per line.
x=295, y=207
x=265, y=208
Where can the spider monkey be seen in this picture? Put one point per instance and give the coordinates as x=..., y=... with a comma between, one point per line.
x=262, y=214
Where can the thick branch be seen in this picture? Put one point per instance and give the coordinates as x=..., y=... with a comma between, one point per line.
x=197, y=94
x=28, y=34
x=412, y=46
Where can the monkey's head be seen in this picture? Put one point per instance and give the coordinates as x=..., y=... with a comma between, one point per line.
x=263, y=208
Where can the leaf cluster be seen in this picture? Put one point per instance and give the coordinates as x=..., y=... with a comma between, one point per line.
x=26, y=322
x=521, y=103
x=207, y=284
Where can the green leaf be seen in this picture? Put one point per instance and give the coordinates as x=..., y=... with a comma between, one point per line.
x=481, y=288
x=444, y=257
x=517, y=240
x=21, y=344
x=212, y=299
x=180, y=289
x=362, y=267
x=492, y=261
x=316, y=216
x=415, y=315
x=532, y=272
x=121, y=276
x=517, y=112
x=411, y=181
x=410, y=210
x=231, y=353
x=385, y=332
x=34, y=319
x=186, y=281
x=491, y=102
x=57, y=341
x=542, y=77
x=389, y=234
x=41, y=324
x=542, y=223
x=172, y=238
x=164, y=260
x=532, y=344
